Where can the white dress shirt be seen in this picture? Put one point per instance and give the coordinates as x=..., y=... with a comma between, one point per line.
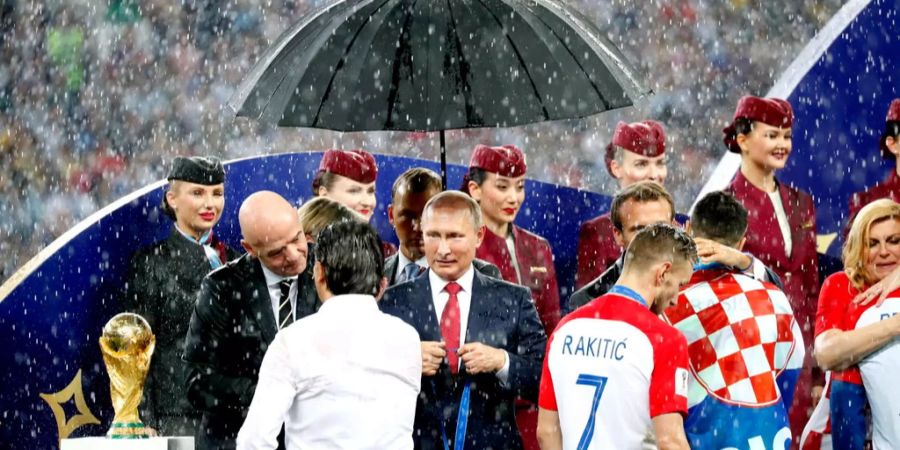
x=272, y=280
x=346, y=377
x=440, y=297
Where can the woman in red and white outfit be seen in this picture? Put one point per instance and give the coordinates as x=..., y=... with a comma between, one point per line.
x=781, y=228
x=857, y=340
x=496, y=180
x=348, y=177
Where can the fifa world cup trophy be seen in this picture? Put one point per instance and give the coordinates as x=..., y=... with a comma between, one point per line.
x=127, y=344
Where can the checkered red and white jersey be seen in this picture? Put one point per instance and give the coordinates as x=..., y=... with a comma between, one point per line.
x=610, y=367
x=741, y=334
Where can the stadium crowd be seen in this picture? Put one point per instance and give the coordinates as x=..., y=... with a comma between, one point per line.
x=95, y=97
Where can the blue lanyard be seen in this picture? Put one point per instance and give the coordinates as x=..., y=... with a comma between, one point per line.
x=462, y=420
x=709, y=266
x=627, y=292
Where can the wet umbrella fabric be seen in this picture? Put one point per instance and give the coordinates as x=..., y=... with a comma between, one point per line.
x=426, y=65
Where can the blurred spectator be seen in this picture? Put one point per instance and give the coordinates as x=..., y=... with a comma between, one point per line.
x=93, y=100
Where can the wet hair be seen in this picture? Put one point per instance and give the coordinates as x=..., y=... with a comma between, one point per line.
x=476, y=174
x=658, y=243
x=856, y=247
x=351, y=256
x=455, y=200
x=743, y=125
x=416, y=180
x=165, y=206
x=320, y=212
x=323, y=179
x=641, y=192
x=892, y=130
x=720, y=217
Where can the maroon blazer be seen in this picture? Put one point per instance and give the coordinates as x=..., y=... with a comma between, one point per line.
x=597, y=249
x=889, y=188
x=799, y=270
x=535, y=261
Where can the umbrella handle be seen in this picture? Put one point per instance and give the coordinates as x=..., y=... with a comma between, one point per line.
x=443, y=161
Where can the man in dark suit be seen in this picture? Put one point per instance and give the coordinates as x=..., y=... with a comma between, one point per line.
x=411, y=190
x=240, y=308
x=645, y=203
x=482, y=340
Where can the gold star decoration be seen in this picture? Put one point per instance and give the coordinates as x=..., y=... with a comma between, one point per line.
x=56, y=399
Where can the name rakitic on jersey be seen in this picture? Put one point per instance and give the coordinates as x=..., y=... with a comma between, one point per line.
x=596, y=347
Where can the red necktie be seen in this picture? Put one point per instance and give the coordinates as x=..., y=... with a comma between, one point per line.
x=450, y=325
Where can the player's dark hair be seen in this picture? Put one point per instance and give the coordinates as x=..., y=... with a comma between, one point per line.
x=720, y=217
x=351, y=255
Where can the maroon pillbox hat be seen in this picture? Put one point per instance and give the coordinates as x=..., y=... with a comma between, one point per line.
x=506, y=160
x=770, y=111
x=647, y=138
x=358, y=165
x=893, y=115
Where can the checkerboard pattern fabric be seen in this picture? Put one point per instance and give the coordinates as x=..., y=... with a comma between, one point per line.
x=741, y=334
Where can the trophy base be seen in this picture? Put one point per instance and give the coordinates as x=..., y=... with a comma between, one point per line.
x=104, y=443
x=128, y=430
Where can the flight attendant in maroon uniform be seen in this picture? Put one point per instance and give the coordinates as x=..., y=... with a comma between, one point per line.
x=890, y=149
x=496, y=180
x=636, y=153
x=781, y=228
x=348, y=177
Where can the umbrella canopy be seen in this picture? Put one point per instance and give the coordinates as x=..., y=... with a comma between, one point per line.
x=430, y=65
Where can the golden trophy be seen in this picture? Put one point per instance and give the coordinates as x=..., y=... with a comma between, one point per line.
x=127, y=344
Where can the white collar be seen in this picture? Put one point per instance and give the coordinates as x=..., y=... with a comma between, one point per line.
x=273, y=278
x=356, y=302
x=465, y=281
x=403, y=261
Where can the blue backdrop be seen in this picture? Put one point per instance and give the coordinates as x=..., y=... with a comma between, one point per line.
x=839, y=110
x=50, y=322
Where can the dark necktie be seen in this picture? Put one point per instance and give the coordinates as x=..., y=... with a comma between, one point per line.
x=409, y=272
x=450, y=325
x=285, y=310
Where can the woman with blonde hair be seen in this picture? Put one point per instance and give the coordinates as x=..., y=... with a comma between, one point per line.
x=320, y=212
x=858, y=342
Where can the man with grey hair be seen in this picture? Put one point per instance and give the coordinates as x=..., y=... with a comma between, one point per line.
x=478, y=334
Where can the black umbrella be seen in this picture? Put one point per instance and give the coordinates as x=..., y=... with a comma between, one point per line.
x=434, y=65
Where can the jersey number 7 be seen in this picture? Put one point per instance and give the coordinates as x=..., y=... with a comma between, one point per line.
x=599, y=383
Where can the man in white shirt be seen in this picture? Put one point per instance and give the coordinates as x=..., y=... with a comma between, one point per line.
x=482, y=340
x=348, y=376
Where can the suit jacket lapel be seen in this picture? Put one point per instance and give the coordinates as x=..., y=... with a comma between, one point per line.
x=793, y=213
x=260, y=303
x=478, y=308
x=764, y=228
x=390, y=268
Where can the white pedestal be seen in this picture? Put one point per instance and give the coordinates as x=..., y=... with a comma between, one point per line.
x=102, y=443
